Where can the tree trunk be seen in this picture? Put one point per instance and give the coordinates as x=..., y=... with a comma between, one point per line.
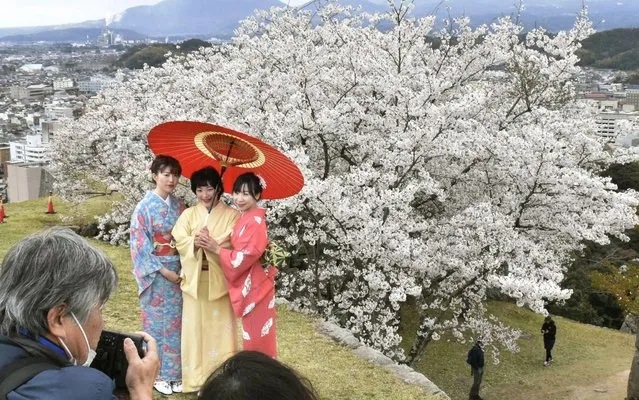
x=633, y=379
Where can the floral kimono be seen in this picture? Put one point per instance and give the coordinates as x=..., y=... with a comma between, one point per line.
x=152, y=248
x=251, y=286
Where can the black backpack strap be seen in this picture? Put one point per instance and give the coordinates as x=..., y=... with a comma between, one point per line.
x=21, y=371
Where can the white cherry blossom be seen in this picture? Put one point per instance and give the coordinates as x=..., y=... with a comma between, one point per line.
x=442, y=168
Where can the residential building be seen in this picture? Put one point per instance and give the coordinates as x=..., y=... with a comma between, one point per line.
x=63, y=84
x=57, y=112
x=96, y=84
x=48, y=129
x=632, y=95
x=31, y=92
x=30, y=150
x=611, y=112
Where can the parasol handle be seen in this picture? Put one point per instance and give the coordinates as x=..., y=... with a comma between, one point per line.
x=228, y=153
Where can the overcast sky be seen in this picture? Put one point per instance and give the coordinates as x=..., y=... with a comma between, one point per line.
x=15, y=13
x=53, y=12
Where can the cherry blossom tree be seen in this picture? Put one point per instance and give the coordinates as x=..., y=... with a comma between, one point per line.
x=446, y=167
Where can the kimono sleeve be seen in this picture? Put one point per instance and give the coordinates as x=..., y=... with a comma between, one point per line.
x=184, y=238
x=248, y=247
x=145, y=263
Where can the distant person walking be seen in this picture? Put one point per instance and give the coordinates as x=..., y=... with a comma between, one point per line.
x=549, y=329
x=475, y=359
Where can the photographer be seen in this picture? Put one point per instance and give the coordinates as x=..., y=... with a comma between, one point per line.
x=53, y=286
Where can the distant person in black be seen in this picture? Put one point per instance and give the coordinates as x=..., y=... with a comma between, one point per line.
x=549, y=330
x=476, y=360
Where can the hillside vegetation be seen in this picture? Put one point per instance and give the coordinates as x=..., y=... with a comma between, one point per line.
x=616, y=49
x=156, y=54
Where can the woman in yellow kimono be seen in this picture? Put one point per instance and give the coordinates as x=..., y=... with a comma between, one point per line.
x=208, y=322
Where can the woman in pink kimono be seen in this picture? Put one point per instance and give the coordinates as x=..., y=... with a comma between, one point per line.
x=251, y=286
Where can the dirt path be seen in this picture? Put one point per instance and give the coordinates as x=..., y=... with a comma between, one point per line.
x=611, y=388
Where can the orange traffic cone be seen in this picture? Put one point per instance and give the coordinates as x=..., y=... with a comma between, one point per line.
x=3, y=212
x=50, y=206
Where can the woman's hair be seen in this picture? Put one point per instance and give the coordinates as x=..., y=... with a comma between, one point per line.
x=162, y=162
x=52, y=268
x=207, y=176
x=250, y=375
x=252, y=183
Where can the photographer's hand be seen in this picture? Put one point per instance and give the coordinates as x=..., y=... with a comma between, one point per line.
x=142, y=371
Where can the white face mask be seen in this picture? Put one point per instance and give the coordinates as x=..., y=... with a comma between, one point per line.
x=90, y=352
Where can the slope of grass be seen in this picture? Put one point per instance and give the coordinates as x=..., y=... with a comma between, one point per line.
x=583, y=355
x=334, y=370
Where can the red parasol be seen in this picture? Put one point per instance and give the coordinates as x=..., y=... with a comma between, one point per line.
x=197, y=145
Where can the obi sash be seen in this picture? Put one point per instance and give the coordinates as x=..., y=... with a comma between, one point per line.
x=164, y=244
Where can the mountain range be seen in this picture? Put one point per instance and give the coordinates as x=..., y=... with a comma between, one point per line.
x=220, y=17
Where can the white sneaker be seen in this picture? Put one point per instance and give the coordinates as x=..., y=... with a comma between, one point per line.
x=176, y=386
x=546, y=363
x=163, y=387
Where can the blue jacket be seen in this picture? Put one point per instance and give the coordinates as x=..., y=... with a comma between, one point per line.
x=67, y=383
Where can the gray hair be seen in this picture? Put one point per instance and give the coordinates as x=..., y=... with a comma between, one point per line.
x=52, y=268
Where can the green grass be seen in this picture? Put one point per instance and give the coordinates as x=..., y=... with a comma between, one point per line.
x=334, y=371
x=583, y=355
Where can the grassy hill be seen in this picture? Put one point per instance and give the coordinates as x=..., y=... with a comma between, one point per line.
x=334, y=370
x=586, y=357
x=616, y=48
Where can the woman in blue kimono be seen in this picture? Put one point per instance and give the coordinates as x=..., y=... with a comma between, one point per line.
x=156, y=266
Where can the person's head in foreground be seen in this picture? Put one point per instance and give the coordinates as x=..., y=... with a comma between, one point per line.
x=250, y=375
x=53, y=286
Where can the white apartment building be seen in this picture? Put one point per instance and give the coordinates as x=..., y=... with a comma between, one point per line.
x=607, y=121
x=57, y=112
x=608, y=117
x=31, y=150
x=96, y=84
x=63, y=84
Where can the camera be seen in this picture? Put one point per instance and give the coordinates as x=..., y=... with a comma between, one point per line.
x=110, y=357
